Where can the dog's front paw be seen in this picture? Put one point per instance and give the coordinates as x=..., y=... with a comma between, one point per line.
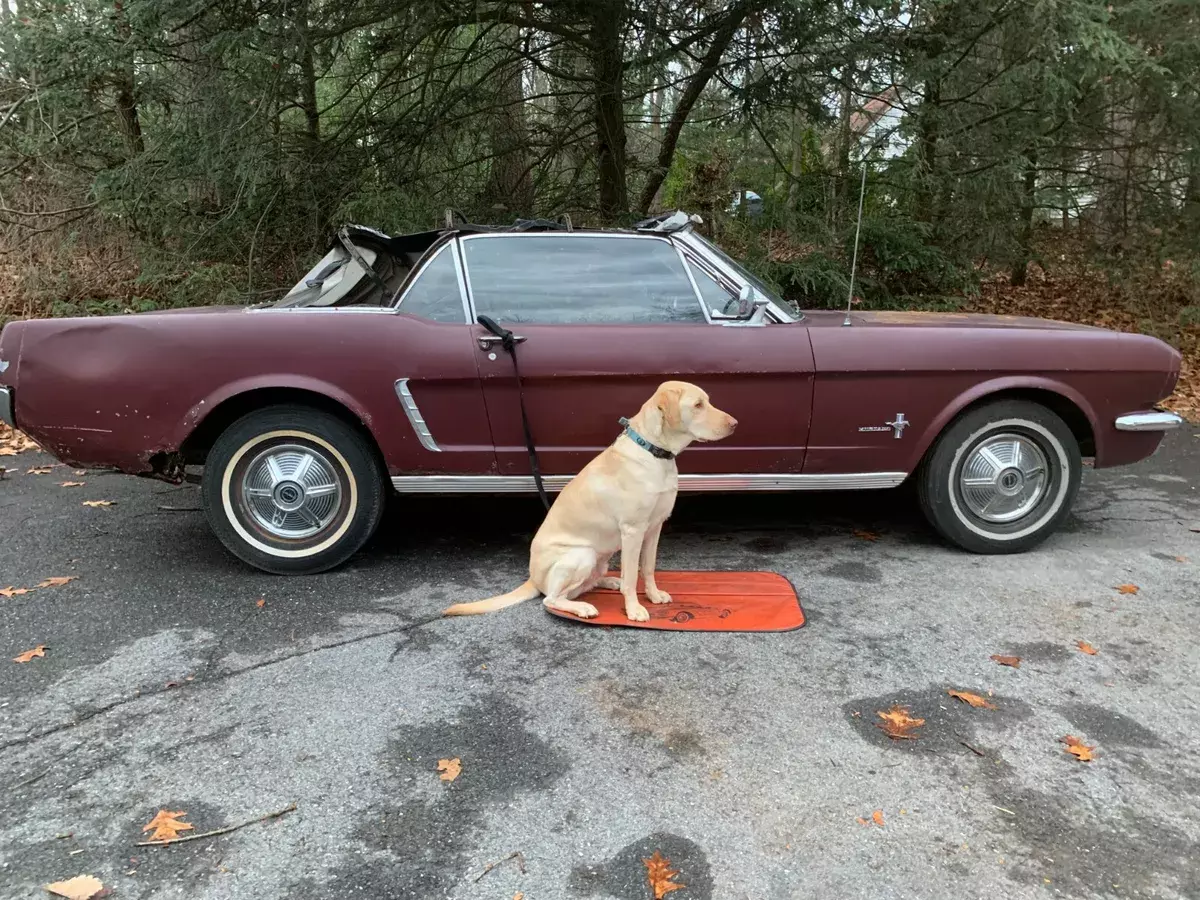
x=635, y=612
x=586, y=611
x=658, y=597
x=609, y=583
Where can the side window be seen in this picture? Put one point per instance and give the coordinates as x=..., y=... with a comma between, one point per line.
x=713, y=294
x=553, y=280
x=435, y=294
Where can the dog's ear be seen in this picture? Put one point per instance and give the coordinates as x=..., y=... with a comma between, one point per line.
x=668, y=400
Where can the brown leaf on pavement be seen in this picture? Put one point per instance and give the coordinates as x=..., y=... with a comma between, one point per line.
x=1126, y=588
x=866, y=536
x=11, y=591
x=165, y=825
x=57, y=581
x=28, y=655
x=661, y=876
x=973, y=699
x=1014, y=661
x=81, y=887
x=450, y=768
x=260, y=602
x=95, y=503
x=1087, y=648
x=1077, y=748
x=39, y=470
x=877, y=817
x=898, y=724
x=72, y=483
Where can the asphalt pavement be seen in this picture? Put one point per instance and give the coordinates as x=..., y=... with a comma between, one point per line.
x=176, y=678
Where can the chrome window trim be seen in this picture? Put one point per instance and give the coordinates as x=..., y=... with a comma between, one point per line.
x=687, y=270
x=373, y=310
x=698, y=249
x=637, y=236
x=523, y=484
x=415, y=419
x=1155, y=420
x=416, y=276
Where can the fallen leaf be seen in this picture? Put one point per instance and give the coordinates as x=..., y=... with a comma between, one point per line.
x=1014, y=661
x=165, y=825
x=1126, y=589
x=7, y=451
x=11, y=591
x=1077, y=748
x=898, y=724
x=72, y=483
x=81, y=887
x=866, y=536
x=1087, y=648
x=519, y=896
x=95, y=503
x=877, y=817
x=261, y=602
x=450, y=768
x=39, y=650
x=79, y=472
x=1181, y=559
x=660, y=875
x=41, y=470
x=973, y=699
x=57, y=581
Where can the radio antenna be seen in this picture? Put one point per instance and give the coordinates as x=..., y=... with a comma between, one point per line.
x=862, y=191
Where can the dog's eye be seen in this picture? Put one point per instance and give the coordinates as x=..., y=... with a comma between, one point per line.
x=698, y=404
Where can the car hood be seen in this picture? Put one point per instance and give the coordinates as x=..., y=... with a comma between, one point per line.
x=963, y=320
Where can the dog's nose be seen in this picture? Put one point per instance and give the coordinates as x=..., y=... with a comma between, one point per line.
x=732, y=422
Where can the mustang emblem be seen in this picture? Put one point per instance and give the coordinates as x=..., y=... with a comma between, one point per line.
x=896, y=426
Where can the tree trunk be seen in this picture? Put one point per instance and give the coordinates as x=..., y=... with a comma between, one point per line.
x=126, y=97
x=691, y=93
x=509, y=188
x=607, y=19
x=927, y=151
x=1025, y=234
x=308, y=75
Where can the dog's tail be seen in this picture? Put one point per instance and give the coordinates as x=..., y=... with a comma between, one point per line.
x=525, y=592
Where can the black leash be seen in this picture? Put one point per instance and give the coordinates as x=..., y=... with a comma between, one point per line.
x=510, y=347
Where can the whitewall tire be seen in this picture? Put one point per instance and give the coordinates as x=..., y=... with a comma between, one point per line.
x=1001, y=478
x=292, y=489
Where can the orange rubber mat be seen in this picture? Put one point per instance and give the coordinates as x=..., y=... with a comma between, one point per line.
x=706, y=601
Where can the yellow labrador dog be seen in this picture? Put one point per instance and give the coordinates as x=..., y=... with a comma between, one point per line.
x=618, y=502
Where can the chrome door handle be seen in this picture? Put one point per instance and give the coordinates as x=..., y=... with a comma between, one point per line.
x=487, y=340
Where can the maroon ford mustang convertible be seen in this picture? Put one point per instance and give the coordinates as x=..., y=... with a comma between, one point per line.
x=373, y=374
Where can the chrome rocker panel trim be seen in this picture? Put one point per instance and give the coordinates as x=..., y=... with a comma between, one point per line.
x=1149, y=421
x=424, y=435
x=523, y=484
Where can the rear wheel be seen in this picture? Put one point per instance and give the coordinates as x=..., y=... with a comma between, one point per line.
x=1001, y=478
x=292, y=489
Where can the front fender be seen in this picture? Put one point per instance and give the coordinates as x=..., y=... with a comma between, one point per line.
x=996, y=386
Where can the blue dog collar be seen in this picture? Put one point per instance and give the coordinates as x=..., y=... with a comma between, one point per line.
x=653, y=449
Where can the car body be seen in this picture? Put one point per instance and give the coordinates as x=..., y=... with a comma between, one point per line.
x=392, y=350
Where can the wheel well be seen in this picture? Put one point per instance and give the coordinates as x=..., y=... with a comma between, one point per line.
x=1065, y=409
x=197, y=444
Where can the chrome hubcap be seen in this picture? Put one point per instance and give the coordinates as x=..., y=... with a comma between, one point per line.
x=291, y=491
x=1004, y=478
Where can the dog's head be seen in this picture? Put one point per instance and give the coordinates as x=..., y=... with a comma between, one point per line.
x=684, y=409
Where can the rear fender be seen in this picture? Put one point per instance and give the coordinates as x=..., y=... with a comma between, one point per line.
x=204, y=407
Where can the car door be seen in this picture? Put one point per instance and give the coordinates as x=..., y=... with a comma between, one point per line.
x=604, y=318
x=436, y=375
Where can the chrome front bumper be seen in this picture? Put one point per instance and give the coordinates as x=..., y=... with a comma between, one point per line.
x=1155, y=420
x=6, y=406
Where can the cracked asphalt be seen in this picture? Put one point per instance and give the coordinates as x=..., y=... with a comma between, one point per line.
x=745, y=759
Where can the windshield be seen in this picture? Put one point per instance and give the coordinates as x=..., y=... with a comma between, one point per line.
x=757, y=282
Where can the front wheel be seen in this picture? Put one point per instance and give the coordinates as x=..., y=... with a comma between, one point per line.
x=292, y=490
x=1001, y=478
